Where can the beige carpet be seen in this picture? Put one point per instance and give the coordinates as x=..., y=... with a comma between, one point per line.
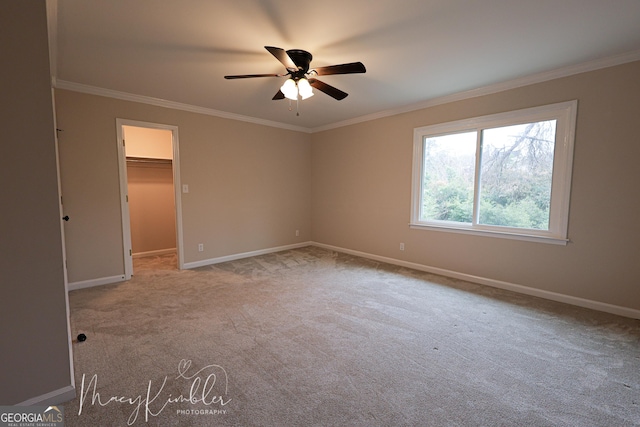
x=310, y=337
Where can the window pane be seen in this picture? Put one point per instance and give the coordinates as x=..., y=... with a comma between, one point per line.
x=515, y=175
x=448, y=175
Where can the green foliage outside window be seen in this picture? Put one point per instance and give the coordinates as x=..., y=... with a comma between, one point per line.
x=515, y=176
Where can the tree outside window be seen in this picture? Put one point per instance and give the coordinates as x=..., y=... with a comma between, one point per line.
x=501, y=173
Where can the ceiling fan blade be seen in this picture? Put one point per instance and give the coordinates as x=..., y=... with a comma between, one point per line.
x=278, y=95
x=328, y=89
x=351, y=68
x=250, y=76
x=282, y=56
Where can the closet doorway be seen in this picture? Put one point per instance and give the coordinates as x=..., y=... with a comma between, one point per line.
x=149, y=187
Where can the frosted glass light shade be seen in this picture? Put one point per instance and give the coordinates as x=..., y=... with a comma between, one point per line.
x=290, y=90
x=304, y=88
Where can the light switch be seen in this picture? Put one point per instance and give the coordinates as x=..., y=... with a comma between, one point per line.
x=185, y=188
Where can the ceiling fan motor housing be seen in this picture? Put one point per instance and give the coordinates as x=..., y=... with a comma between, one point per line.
x=302, y=59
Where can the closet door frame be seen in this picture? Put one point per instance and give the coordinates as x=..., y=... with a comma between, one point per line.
x=127, y=254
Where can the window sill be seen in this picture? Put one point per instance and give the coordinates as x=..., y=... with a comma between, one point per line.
x=492, y=233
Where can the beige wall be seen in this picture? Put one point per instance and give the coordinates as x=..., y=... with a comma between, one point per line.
x=252, y=186
x=249, y=185
x=361, y=177
x=151, y=206
x=34, y=341
x=148, y=143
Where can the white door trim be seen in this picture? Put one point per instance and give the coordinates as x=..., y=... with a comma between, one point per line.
x=64, y=245
x=124, y=205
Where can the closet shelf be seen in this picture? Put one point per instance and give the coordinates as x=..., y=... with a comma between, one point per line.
x=147, y=160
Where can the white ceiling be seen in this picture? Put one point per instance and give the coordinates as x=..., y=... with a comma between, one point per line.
x=414, y=50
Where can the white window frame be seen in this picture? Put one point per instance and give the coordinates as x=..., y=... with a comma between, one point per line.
x=564, y=113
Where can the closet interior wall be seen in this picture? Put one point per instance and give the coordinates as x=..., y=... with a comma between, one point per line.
x=151, y=195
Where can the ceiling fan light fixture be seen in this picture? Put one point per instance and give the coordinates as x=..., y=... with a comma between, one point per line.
x=304, y=88
x=290, y=90
x=296, y=62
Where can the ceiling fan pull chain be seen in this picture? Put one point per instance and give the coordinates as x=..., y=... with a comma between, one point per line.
x=297, y=107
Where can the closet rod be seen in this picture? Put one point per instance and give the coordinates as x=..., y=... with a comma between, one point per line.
x=149, y=160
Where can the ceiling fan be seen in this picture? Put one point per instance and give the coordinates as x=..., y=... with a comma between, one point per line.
x=302, y=79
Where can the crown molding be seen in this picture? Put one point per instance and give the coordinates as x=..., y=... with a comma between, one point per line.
x=158, y=102
x=484, y=90
x=597, y=64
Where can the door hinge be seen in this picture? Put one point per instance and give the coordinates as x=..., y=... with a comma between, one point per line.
x=130, y=252
x=127, y=197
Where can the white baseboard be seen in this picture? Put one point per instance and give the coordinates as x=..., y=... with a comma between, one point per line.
x=95, y=282
x=115, y=279
x=154, y=253
x=554, y=296
x=233, y=257
x=55, y=397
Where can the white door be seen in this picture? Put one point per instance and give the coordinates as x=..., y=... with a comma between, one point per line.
x=63, y=220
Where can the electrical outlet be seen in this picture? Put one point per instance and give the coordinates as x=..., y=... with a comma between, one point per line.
x=200, y=247
x=402, y=246
x=297, y=233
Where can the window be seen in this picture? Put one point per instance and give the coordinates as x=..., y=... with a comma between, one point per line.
x=506, y=175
